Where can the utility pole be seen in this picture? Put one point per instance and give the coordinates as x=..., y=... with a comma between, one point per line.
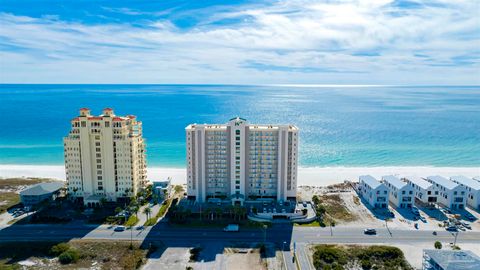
x=455, y=242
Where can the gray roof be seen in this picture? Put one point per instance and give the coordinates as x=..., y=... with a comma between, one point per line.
x=394, y=181
x=442, y=181
x=454, y=259
x=462, y=180
x=370, y=180
x=419, y=181
x=42, y=188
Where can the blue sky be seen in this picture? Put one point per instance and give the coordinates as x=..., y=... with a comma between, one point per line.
x=240, y=42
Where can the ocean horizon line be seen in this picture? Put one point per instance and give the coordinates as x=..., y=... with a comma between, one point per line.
x=299, y=85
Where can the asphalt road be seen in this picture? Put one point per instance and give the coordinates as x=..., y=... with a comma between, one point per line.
x=276, y=234
x=299, y=237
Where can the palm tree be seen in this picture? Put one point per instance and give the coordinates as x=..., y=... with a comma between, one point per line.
x=147, y=211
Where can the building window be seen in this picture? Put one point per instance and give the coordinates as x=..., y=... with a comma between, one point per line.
x=237, y=132
x=107, y=124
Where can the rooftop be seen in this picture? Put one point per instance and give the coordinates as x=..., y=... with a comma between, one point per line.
x=442, y=181
x=394, y=181
x=454, y=259
x=466, y=181
x=250, y=126
x=370, y=180
x=419, y=181
x=42, y=188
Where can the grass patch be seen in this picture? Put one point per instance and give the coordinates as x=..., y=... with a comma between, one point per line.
x=367, y=257
x=335, y=209
x=161, y=212
x=76, y=254
x=311, y=224
x=132, y=220
x=8, y=199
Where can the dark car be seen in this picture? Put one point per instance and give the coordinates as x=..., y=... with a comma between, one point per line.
x=370, y=231
x=119, y=228
x=451, y=229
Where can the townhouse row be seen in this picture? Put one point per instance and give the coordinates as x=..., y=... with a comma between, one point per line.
x=455, y=193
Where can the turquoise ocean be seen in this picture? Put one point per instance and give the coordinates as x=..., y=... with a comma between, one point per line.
x=339, y=126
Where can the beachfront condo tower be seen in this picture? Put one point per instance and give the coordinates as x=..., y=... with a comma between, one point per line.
x=239, y=161
x=104, y=157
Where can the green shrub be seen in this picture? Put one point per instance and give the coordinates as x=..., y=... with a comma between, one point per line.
x=438, y=245
x=194, y=253
x=366, y=264
x=69, y=256
x=59, y=249
x=132, y=220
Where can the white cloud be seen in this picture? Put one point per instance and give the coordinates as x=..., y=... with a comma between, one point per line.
x=364, y=41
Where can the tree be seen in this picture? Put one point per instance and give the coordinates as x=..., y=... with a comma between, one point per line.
x=438, y=245
x=103, y=201
x=316, y=200
x=147, y=211
x=118, y=210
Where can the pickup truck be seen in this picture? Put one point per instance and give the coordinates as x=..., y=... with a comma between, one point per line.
x=231, y=228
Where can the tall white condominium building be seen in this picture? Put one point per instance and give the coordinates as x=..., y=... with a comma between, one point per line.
x=104, y=157
x=241, y=161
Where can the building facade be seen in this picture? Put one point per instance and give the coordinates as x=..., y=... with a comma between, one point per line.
x=472, y=187
x=373, y=191
x=442, y=259
x=452, y=195
x=401, y=193
x=425, y=192
x=104, y=157
x=41, y=192
x=241, y=161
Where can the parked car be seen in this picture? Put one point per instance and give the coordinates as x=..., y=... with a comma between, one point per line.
x=370, y=231
x=119, y=228
x=469, y=216
x=466, y=225
x=423, y=219
x=231, y=228
x=140, y=228
x=451, y=229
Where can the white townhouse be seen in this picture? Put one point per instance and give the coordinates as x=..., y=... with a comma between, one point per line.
x=452, y=195
x=473, y=190
x=104, y=157
x=401, y=193
x=373, y=191
x=424, y=191
x=240, y=161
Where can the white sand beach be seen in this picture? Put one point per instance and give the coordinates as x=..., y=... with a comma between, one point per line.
x=312, y=176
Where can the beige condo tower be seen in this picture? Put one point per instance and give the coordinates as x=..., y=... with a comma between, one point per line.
x=104, y=157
